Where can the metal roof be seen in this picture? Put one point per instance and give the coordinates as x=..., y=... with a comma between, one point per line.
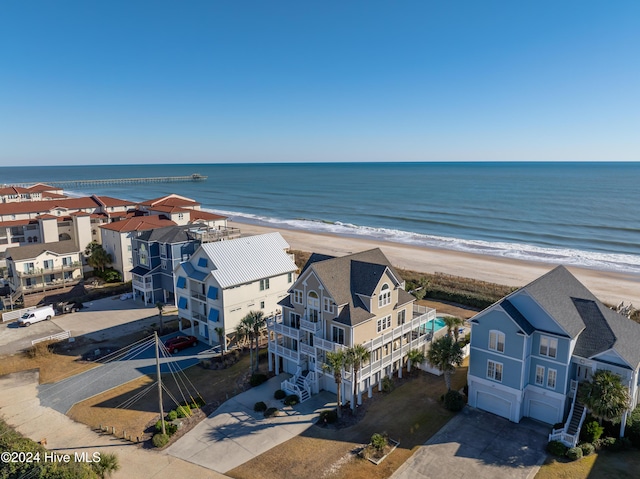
x=248, y=259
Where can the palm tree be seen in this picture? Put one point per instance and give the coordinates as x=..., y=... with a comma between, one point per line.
x=415, y=357
x=98, y=258
x=244, y=331
x=445, y=354
x=453, y=324
x=335, y=363
x=160, y=306
x=259, y=322
x=356, y=356
x=222, y=338
x=605, y=396
x=107, y=465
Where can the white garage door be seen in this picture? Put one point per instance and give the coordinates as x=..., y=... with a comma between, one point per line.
x=494, y=404
x=543, y=412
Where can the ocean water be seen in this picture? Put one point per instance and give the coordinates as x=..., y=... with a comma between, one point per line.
x=582, y=214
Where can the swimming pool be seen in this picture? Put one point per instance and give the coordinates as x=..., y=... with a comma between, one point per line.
x=434, y=325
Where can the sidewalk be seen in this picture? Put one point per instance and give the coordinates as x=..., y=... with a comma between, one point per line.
x=63, y=435
x=234, y=433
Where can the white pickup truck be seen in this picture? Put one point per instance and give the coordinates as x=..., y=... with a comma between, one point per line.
x=36, y=315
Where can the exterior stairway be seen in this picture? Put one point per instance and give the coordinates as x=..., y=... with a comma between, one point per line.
x=574, y=422
x=304, y=395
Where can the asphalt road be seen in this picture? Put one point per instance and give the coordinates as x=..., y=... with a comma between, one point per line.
x=138, y=361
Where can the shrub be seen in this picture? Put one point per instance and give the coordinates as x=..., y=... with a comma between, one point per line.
x=172, y=416
x=280, y=394
x=160, y=440
x=291, y=400
x=378, y=441
x=556, y=448
x=387, y=384
x=328, y=416
x=454, y=401
x=271, y=412
x=257, y=379
x=620, y=444
x=183, y=411
x=604, y=442
x=260, y=406
x=168, y=427
x=591, y=431
x=574, y=453
x=587, y=448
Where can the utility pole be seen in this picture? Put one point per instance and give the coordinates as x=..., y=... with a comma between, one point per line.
x=155, y=333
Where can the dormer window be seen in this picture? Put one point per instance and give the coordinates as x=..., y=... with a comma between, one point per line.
x=328, y=305
x=385, y=296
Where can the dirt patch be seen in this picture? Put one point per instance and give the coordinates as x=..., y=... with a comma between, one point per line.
x=411, y=414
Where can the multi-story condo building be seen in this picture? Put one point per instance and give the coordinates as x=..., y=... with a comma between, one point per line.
x=225, y=280
x=531, y=350
x=43, y=267
x=340, y=302
x=157, y=252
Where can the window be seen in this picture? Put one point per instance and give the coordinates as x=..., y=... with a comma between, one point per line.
x=290, y=277
x=163, y=263
x=401, y=317
x=144, y=258
x=294, y=320
x=297, y=296
x=67, y=261
x=328, y=305
x=548, y=346
x=180, y=216
x=212, y=293
x=337, y=335
x=182, y=282
x=496, y=341
x=551, y=379
x=129, y=248
x=385, y=296
x=48, y=264
x=202, y=262
x=539, y=375
x=28, y=267
x=494, y=370
x=264, y=284
x=384, y=323
x=261, y=304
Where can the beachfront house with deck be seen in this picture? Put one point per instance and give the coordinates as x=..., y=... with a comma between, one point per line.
x=337, y=303
x=223, y=281
x=531, y=350
x=40, y=268
x=157, y=252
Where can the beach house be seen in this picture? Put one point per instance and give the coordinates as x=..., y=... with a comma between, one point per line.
x=531, y=350
x=340, y=302
x=158, y=251
x=223, y=281
x=39, y=268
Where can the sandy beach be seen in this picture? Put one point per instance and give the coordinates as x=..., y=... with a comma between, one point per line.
x=609, y=287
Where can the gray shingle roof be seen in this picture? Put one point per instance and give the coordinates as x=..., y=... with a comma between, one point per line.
x=32, y=251
x=168, y=234
x=515, y=314
x=347, y=277
x=582, y=315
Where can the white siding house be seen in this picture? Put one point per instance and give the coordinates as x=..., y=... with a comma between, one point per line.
x=223, y=281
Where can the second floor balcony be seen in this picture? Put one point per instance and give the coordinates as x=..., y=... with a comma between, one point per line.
x=276, y=325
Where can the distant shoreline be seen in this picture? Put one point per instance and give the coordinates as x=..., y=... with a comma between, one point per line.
x=610, y=287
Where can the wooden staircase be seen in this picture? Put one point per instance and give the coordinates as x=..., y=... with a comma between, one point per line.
x=574, y=421
x=304, y=395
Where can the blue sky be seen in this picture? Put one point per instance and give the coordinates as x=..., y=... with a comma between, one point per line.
x=88, y=82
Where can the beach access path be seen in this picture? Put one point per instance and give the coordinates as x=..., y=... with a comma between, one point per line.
x=610, y=287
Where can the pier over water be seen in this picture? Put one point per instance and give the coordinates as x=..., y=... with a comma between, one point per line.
x=116, y=181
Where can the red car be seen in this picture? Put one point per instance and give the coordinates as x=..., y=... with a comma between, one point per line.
x=180, y=342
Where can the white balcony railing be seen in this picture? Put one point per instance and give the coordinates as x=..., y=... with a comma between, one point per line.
x=310, y=326
x=308, y=350
x=276, y=325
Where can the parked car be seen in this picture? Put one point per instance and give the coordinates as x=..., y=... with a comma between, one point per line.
x=68, y=307
x=180, y=342
x=36, y=315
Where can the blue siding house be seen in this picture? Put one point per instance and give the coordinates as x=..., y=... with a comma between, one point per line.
x=530, y=351
x=155, y=255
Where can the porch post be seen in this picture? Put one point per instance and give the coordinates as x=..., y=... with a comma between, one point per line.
x=369, y=389
x=623, y=423
x=270, y=360
x=400, y=369
x=277, y=358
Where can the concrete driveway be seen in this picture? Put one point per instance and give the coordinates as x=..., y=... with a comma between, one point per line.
x=234, y=433
x=479, y=445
